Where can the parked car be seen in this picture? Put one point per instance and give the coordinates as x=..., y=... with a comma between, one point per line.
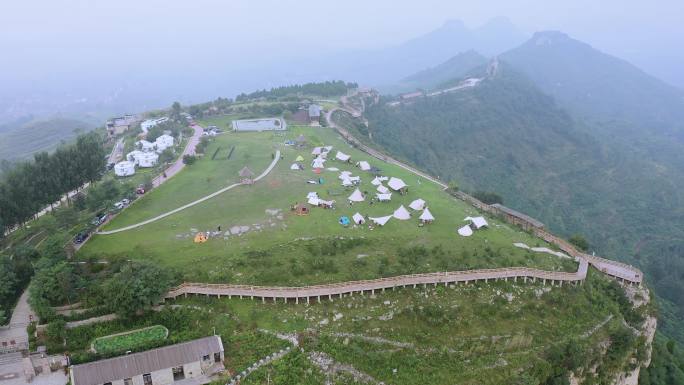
x=81, y=237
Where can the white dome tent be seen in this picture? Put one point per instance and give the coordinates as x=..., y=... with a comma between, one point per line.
x=358, y=219
x=147, y=159
x=124, y=168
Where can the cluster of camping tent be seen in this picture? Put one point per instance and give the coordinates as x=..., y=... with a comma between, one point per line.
x=384, y=186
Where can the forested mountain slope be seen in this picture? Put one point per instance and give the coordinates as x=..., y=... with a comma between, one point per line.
x=507, y=136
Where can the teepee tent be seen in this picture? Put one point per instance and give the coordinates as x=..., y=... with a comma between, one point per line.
x=342, y=156
x=356, y=196
x=465, y=231
x=299, y=158
x=346, y=182
x=344, y=175
x=318, y=163
x=381, y=220
x=401, y=213
x=396, y=184
x=358, y=219
x=295, y=166
x=316, y=151
x=383, y=190
x=417, y=204
x=426, y=216
x=363, y=165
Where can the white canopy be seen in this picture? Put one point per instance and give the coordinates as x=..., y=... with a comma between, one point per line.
x=342, y=156
x=313, y=201
x=316, y=151
x=401, y=213
x=465, y=231
x=381, y=220
x=312, y=194
x=295, y=166
x=383, y=190
x=384, y=197
x=318, y=163
x=396, y=184
x=418, y=204
x=344, y=175
x=363, y=165
x=356, y=196
x=426, y=215
x=478, y=222
x=358, y=219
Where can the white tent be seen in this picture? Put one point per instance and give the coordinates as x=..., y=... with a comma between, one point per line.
x=396, y=184
x=313, y=201
x=295, y=166
x=358, y=219
x=376, y=181
x=401, y=213
x=418, y=204
x=346, y=182
x=383, y=190
x=147, y=159
x=163, y=142
x=356, y=196
x=381, y=220
x=355, y=179
x=145, y=145
x=465, y=231
x=327, y=148
x=133, y=155
x=384, y=197
x=344, y=175
x=316, y=151
x=124, y=168
x=342, y=156
x=318, y=163
x=478, y=222
x=312, y=194
x=363, y=165
x=426, y=216
x=333, y=169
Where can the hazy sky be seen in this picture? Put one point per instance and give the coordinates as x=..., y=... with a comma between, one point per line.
x=81, y=42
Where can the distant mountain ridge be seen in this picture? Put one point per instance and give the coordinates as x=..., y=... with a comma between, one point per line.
x=596, y=85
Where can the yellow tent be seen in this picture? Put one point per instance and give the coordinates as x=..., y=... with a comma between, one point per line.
x=200, y=238
x=299, y=158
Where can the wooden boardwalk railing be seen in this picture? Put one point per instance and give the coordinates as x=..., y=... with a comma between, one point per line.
x=360, y=287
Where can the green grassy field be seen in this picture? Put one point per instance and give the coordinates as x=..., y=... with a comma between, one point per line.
x=129, y=340
x=284, y=248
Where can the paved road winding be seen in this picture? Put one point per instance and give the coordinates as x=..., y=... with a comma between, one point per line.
x=198, y=201
x=178, y=165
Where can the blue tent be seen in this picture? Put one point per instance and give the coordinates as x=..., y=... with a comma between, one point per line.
x=344, y=221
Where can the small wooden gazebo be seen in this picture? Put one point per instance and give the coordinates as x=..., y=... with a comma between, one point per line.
x=301, y=209
x=246, y=176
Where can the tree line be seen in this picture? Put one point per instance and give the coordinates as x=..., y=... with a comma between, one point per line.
x=30, y=186
x=329, y=88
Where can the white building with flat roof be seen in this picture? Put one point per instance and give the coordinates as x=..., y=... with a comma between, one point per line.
x=265, y=124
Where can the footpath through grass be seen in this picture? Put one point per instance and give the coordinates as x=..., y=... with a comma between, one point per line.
x=277, y=247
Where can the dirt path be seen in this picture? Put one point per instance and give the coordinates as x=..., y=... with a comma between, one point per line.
x=198, y=201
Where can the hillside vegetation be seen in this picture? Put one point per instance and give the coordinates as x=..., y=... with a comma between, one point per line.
x=23, y=140
x=563, y=138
